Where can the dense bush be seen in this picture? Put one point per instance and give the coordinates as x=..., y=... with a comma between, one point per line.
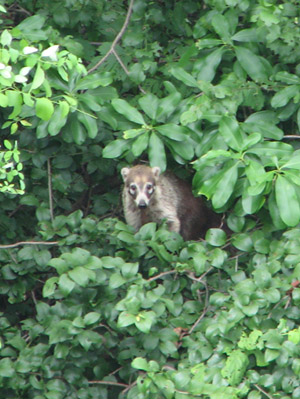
x=89, y=309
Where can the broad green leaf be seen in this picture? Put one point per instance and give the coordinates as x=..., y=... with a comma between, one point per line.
x=5, y=38
x=50, y=287
x=7, y=367
x=207, y=67
x=274, y=212
x=91, y=318
x=221, y=26
x=184, y=149
x=225, y=186
x=140, y=144
x=81, y=275
x=272, y=149
x=167, y=105
x=252, y=203
x=252, y=64
x=180, y=74
x=231, y=133
x=3, y=100
x=89, y=122
x=216, y=237
x=265, y=128
x=94, y=80
x=115, y=148
x=283, y=96
x=44, y=108
x=235, y=367
x=132, y=133
x=38, y=79
x=116, y=280
x=294, y=162
x=140, y=364
x=172, y=131
x=128, y=111
x=56, y=122
x=286, y=77
x=246, y=35
x=157, y=154
x=287, y=201
x=66, y=285
x=149, y=104
x=126, y=319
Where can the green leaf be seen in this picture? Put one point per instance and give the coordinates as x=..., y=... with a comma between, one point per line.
x=282, y=97
x=89, y=123
x=140, y=364
x=287, y=201
x=207, y=67
x=6, y=368
x=235, y=367
x=216, y=237
x=126, y=319
x=224, y=188
x=231, y=133
x=183, y=76
x=172, y=131
x=81, y=275
x=115, y=148
x=149, y=104
x=252, y=64
x=167, y=105
x=129, y=112
x=140, y=144
x=91, y=318
x=39, y=78
x=157, y=155
x=94, y=80
x=65, y=284
x=221, y=26
x=116, y=280
x=246, y=35
x=44, y=108
x=50, y=287
x=286, y=77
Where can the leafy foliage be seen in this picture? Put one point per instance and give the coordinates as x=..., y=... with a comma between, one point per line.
x=88, y=307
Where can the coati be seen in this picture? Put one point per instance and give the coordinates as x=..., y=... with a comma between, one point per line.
x=149, y=196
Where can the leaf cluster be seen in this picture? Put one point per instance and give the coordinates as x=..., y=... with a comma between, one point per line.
x=91, y=309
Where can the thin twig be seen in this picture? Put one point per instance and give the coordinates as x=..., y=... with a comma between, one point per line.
x=117, y=384
x=117, y=38
x=264, y=392
x=50, y=189
x=161, y=275
x=18, y=244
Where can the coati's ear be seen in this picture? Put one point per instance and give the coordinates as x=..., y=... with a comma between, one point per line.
x=124, y=173
x=156, y=171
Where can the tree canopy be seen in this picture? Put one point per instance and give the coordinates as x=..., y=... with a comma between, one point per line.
x=91, y=309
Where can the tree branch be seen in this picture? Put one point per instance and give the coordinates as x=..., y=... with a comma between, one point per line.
x=18, y=244
x=50, y=189
x=117, y=39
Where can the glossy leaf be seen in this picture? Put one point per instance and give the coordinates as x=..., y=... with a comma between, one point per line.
x=252, y=64
x=44, y=108
x=224, y=188
x=231, y=133
x=124, y=108
x=149, y=104
x=183, y=76
x=287, y=201
x=115, y=148
x=157, y=155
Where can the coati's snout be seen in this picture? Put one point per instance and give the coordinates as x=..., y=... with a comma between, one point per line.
x=140, y=186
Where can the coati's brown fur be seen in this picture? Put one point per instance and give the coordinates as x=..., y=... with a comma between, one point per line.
x=149, y=196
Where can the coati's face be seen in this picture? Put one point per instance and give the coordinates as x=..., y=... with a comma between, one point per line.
x=140, y=183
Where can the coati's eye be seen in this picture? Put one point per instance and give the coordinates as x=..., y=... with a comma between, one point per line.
x=149, y=188
x=132, y=188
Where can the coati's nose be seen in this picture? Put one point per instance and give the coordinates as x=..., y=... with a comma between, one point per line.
x=142, y=204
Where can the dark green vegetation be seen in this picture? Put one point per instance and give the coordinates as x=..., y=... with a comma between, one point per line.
x=209, y=89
